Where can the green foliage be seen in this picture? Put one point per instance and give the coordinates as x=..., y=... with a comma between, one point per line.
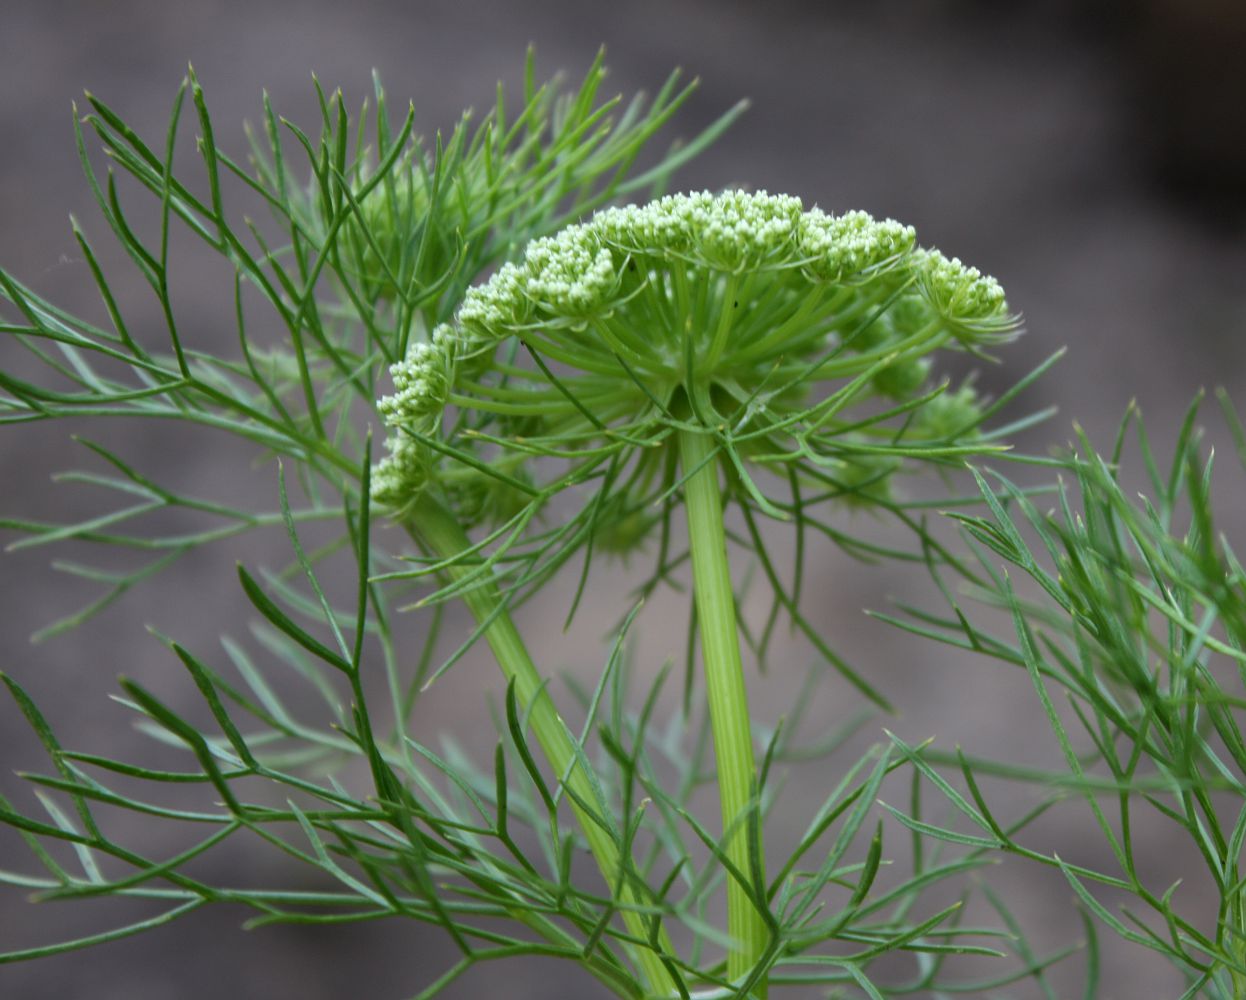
x=1133, y=607
x=527, y=342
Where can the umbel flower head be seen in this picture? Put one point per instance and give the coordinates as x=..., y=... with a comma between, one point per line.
x=800, y=340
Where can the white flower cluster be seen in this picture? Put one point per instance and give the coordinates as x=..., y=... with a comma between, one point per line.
x=853, y=246
x=568, y=274
x=421, y=382
x=728, y=231
x=580, y=269
x=422, y=386
x=751, y=283
x=400, y=476
x=966, y=298
x=489, y=309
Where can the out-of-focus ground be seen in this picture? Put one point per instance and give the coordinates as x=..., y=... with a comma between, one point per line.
x=1089, y=155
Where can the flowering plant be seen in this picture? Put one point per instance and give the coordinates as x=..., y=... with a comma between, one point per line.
x=569, y=364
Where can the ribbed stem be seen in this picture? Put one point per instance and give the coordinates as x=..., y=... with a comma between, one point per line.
x=724, y=683
x=443, y=534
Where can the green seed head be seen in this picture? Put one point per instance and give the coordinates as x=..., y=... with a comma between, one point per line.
x=902, y=379
x=949, y=416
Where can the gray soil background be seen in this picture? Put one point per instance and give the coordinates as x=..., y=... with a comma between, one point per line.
x=1030, y=139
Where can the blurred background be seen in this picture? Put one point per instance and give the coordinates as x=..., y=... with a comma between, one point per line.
x=1092, y=155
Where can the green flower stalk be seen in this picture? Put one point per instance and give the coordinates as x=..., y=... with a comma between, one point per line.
x=731, y=345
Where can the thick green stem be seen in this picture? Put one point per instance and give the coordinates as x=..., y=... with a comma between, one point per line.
x=728, y=698
x=443, y=534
